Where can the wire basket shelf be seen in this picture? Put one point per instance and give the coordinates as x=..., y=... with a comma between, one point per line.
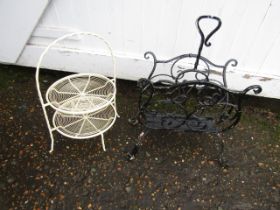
x=84, y=104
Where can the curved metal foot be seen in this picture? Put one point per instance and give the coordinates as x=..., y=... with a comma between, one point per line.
x=222, y=162
x=135, y=149
x=133, y=121
x=131, y=155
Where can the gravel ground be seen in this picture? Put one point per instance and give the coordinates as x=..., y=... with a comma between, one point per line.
x=171, y=171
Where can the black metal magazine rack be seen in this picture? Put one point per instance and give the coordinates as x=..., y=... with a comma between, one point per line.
x=189, y=99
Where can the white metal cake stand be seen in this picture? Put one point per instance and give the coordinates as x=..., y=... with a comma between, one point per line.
x=84, y=104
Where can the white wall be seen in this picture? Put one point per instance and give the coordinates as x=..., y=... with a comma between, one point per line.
x=16, y=25
x=250, y=33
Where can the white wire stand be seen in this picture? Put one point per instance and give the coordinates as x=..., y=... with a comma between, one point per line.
x=84, y=104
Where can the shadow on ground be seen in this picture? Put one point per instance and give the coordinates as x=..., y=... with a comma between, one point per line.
x=172, y=171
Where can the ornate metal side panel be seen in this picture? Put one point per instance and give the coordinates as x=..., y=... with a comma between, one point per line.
x=200, y=104
x=190, y=99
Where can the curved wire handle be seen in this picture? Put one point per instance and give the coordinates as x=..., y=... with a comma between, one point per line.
x=72, y=50
x=205, y=40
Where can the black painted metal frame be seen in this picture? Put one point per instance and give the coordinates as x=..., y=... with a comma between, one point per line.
x=189, y=99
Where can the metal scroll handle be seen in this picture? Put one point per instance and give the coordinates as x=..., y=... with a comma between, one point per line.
x=205, y=39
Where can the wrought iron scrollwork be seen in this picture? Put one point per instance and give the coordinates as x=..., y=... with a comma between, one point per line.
x=190, y=98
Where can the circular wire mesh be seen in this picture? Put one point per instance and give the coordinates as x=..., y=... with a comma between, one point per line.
x=77, y=94
x=84, y=125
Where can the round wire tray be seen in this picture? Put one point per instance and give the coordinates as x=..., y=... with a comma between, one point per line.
x=81, y=93
x=84, y=126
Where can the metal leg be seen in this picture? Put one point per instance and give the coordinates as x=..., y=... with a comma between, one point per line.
x=219, y=142
x=103, y=144
x=49, y=126
x=52, y=142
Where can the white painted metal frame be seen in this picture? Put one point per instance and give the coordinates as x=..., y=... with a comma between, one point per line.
x=84, y=104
